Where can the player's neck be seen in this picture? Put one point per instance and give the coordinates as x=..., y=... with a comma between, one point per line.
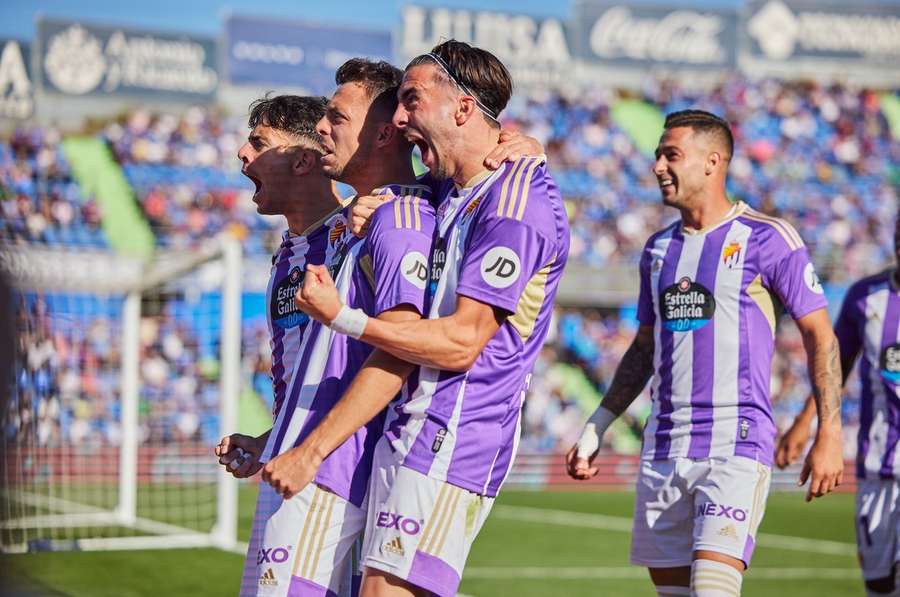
x=312, y=208
x=393, y=170
x=472, y=149
x=708, y=213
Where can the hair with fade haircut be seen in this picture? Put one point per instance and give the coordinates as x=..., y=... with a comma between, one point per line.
x=703, y=122
x=476, y=71
x=380, y=80
x=296, y=115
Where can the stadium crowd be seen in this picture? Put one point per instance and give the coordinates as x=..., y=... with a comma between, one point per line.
x=842, y=196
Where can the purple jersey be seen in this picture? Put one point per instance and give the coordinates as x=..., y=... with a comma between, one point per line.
x=385, y=270
x=504, y=242
x=286, y=322
x=711, y=298
x=869, y=326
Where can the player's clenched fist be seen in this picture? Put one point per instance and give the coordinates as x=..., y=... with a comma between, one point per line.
x=239, y=454
x=290, y=472
x=318, y=297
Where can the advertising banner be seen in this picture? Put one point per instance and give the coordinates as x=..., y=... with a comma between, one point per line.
x=16, y=89
x=835, y=37
x=79, y=59
x=535, y=50
x=623, y=34
x=293, y=54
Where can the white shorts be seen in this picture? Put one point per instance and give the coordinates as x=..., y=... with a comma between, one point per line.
x=420, y=529
x=304, y=545
x=877, y=526
x=683, y=505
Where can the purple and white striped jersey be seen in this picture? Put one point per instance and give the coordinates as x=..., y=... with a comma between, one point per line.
x=386, y=269
x=286, y=322
x=502, y=241
x=711, y=298
x=869, y=323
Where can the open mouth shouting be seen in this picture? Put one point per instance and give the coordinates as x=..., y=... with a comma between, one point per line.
x=256, y=182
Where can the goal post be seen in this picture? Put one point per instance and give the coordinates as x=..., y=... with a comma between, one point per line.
x=127, y=373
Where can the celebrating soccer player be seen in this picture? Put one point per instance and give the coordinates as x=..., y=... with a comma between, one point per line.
x=500, y=248
x=869, y=324
x=709, y=285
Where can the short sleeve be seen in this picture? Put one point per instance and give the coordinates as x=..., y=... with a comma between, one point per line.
x=645, y=313
x=398, y=243
x=793, y=278
x=512, y=239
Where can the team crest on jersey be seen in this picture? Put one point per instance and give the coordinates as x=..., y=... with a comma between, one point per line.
x=471, y=207
x=890, y=363
x=337, y=231
x=282, y=309
x=686, y=306
x=731, y=255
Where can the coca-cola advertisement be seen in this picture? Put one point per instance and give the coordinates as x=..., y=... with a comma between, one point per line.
x=636, y=35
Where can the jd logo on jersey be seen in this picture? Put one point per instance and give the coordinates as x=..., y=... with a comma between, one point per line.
x=500, y=267
x=686, y=306
x=413, y=268
x=285, y=314
x=890, y=363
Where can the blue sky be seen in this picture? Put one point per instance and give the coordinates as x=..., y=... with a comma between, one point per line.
x=205, y=16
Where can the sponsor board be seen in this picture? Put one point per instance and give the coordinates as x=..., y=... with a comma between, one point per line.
x=295, y=54
x=16, y=88
x=77, y=58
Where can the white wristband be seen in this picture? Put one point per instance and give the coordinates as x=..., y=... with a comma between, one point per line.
x=350, y=322
x=593, y=431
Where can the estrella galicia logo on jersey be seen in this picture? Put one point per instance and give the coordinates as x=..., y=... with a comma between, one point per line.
x=686, y=306
x=413, y=268
x=811, y=279
x=438, y=260
x=500, y=267
x=890, y=363
x=284, y=312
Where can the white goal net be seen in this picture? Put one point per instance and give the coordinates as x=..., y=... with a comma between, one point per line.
x=126, y=374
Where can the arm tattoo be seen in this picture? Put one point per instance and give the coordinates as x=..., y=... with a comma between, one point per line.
x=826, y=373
x=631, y=376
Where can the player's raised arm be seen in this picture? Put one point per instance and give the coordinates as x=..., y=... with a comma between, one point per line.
x=824, y=464
x=632, y=374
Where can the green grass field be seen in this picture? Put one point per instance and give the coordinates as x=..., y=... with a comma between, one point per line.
x=534, y=544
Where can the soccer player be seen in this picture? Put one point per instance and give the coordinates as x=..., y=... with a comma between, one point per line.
x=869, y=326
x=282, y=157
x=499, y=252
x=709, y=285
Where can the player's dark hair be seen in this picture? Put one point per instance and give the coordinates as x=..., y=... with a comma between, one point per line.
x=293, y=114
x=477, y=71
x=704, y=122
x=380, y=80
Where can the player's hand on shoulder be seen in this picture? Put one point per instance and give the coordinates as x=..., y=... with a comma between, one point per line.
x=239, y=454
x=791, y=445
x=362, y=212
x=824, y=465
x=512, y=146
x=318, y=296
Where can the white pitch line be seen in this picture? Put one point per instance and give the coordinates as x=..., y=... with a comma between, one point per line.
x=621, y=524
x=635, y=573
